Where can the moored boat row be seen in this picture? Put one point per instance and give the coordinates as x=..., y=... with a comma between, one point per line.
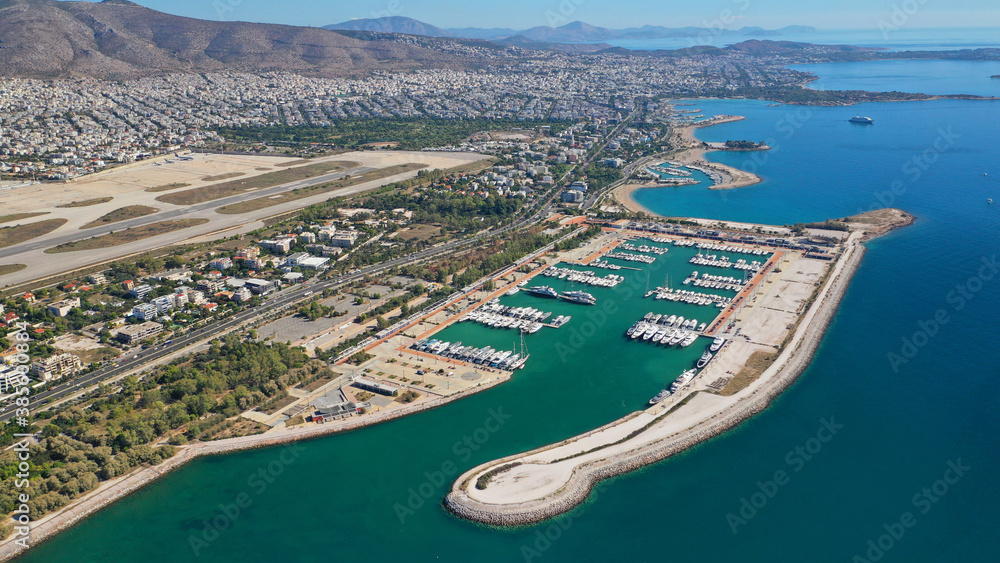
x=486, y=356
x=628, y=257
x=583, y=276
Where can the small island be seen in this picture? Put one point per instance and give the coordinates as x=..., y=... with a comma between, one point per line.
x=743, y=145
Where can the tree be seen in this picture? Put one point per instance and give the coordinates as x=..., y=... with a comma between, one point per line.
x=50, y=431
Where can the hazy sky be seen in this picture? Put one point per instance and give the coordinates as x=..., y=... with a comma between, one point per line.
x=522, y=14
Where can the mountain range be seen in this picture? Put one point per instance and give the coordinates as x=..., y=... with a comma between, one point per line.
x=120, y=39
x=575, y=32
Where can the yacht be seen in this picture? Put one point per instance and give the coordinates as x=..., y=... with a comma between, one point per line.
x=705, y=358
x=543, y=291
x=683, y=380
x=579, y=297
x=717, y=343
x=659, y=397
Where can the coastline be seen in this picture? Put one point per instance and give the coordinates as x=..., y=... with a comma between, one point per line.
x=691, y=154
x=116, y=489
x=794, y=358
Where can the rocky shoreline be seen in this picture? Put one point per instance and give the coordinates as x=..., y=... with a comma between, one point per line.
x=584, y=478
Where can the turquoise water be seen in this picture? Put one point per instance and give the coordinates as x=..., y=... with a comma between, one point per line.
x=919, y=76
x=340, y=497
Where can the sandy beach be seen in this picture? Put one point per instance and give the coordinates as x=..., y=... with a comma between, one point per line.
x=691, y=154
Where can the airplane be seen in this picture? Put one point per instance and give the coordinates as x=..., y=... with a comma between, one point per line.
x=184, y=157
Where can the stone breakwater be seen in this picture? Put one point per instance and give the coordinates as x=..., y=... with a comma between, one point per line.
x=793, y=362
x=113, y=490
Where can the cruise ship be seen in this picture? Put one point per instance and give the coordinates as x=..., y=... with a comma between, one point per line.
x=579, y=297
x=859, y=119
x=543, y=291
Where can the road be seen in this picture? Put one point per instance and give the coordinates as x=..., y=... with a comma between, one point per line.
x=286, y=298
x=41, y=265
x=279, y=301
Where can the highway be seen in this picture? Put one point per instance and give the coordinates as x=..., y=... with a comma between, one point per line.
x=283, y=299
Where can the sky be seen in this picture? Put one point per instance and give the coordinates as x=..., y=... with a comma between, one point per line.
x=523, y=14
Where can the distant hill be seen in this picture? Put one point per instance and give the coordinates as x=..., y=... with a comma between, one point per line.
x=765, y=47
x=525, y=43
x=394, y=24
x=120, y=39
x=574, y=32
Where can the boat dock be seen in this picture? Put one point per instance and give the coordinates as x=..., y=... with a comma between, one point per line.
x=720, y=322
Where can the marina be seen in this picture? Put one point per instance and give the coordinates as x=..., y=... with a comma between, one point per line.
x=659, y=251
x=486, y=356
x=704, y=391
x=582, y=276
x=631, y=257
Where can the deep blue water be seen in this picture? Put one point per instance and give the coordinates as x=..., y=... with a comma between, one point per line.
x=901, y=425
x=920, y=76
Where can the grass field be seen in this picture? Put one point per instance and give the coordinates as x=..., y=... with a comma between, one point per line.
x=419, y=232
x=96, y=355
x=11, y=268
x=758, y=362
x=271, y=179
x=263, y=202
x=220, y=177
x=17, y=234
x=87, y=202
x=168, y=187
x=126, y=236
x=299, y=162
x=19, y=216
x=121, y=214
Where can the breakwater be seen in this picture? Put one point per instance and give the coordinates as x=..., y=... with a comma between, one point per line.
x=790, y=364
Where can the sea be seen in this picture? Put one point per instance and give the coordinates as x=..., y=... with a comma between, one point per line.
x=886, y=449
x=891, y=36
